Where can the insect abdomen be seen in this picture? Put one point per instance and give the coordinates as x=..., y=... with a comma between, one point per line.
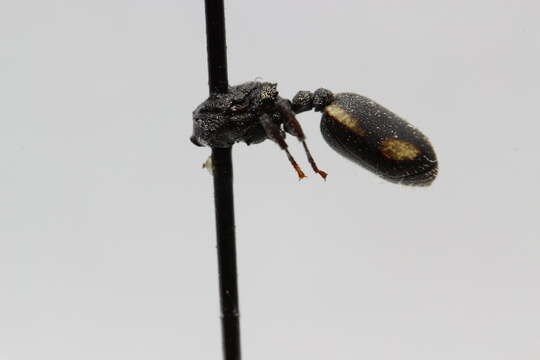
x=377, y=139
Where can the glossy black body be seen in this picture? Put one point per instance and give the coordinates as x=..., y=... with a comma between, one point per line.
x=369, y=134
x=353, y=125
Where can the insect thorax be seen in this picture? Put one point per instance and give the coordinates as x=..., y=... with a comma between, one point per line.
x=224, y=119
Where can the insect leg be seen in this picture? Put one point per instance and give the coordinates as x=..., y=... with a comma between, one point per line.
x=293, y=127
x=274, y=133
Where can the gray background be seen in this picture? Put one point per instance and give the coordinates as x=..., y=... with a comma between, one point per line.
x=107, y=244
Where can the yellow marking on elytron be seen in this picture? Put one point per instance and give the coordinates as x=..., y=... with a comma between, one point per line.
x=396, y=149
x=343, y=117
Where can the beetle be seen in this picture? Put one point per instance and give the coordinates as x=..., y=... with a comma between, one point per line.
x=353, y=125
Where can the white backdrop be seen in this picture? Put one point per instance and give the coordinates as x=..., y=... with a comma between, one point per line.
x=107, y=246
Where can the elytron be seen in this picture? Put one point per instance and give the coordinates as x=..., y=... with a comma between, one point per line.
x=356, y=127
